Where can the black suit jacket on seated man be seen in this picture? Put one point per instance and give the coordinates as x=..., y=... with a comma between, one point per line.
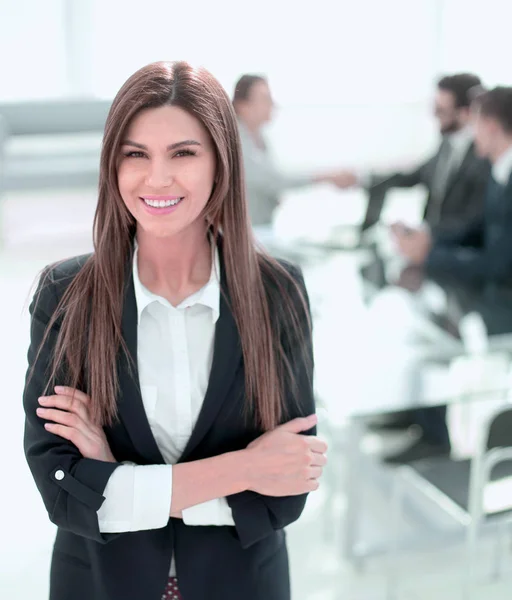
x=481, y=253
x=478, y=256
x=462, y=199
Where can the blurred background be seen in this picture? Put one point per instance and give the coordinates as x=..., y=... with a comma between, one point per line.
x=355, y=87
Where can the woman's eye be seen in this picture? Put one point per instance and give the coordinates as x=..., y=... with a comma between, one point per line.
x=185, y=153
x=139, y=154
x=134, y=154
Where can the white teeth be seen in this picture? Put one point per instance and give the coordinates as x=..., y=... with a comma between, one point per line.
x=162, y=203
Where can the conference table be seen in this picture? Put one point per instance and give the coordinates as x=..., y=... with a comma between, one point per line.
x=388, y=338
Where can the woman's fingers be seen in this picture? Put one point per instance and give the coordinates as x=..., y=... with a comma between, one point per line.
x=316, y=444
x=69, y=419
x=299, y=424
x=78, y=437
x=72, y=434
x=61, y=416
x=315, y=472
x=312, y=485
x=318, y=460
x=63, y=390
x=68, y=403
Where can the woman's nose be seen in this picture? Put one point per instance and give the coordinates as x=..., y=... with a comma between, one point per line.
x=159, y=174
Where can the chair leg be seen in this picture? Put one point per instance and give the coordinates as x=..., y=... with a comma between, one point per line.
x=353, y=490
x=500, y=551
x=331, y=488
x=472, y=546
x=392, y=574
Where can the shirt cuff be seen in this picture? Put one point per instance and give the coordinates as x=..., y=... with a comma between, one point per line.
x=213, y=512
x=364, y=178
x=137, y=498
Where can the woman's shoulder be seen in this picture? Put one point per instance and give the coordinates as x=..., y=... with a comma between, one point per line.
x=284, y=284
x=63, y=272
x=281, y=272
x=293, y=270
x=55, y=279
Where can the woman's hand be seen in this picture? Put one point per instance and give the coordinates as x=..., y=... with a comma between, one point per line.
x=68, y=413
x=286, y=463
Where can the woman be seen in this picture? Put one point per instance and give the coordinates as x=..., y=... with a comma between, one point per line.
x=173, y=343
x=253, y=104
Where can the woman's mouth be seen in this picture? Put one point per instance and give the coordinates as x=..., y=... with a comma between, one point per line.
x=161, y=205
x=162, y=202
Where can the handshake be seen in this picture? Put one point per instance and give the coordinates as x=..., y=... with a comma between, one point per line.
x=343, y=179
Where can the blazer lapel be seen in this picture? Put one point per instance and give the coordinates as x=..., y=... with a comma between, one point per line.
x=131, y=407
x=459, y=173
x=227, y=354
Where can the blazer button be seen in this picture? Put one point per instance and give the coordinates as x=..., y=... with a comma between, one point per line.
x=59, y=475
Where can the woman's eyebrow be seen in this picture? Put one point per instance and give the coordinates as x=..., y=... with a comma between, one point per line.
x=170, y=147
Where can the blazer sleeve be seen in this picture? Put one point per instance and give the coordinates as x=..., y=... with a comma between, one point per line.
x=379, y=183
x=469, y=260
x=71, y=486
x=257, y=516
x=471, y=234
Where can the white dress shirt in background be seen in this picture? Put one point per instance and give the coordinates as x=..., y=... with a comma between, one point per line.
x=175, y=353
x=460, y=141
x=502, y=168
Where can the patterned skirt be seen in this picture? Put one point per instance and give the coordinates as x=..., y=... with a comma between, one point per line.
x=171, y=591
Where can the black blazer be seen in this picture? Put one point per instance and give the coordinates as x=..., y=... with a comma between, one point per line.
x=480, y=253
x=246, y=562
x=463, y=199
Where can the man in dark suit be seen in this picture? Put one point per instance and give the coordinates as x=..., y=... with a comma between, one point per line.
x=455, y=179
x=479, y=254
x=455, y=176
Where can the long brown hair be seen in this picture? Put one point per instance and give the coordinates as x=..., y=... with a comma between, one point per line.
x=89, y=337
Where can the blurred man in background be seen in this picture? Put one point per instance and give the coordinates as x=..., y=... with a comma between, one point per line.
x=265, y=182
x=455, y=176
x=479, y=254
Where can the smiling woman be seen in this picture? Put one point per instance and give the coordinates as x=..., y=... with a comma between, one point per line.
x=184, y=169
x=170, y=371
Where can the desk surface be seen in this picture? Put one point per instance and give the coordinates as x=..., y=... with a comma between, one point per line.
x=393, y=344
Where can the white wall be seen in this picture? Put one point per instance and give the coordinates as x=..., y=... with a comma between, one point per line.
x=475, y=36
x=322, y=53
x=353, y=80
x=32, y=47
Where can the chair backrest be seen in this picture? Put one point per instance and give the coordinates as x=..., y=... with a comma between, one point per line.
x=500, y=430
x=43, y=117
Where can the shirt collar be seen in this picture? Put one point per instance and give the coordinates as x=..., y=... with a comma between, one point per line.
x=208, y=295
x=502, y=168
x=462, y=139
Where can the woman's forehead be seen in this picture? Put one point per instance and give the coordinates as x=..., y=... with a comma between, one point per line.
x=166, y=122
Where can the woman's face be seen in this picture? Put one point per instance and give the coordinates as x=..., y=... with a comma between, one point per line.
x=257, y=108
x=166, y=170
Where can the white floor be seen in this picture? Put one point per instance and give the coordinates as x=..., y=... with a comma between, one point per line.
x=39, y=228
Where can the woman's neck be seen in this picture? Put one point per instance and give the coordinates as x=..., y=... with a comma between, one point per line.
x=174, y=267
